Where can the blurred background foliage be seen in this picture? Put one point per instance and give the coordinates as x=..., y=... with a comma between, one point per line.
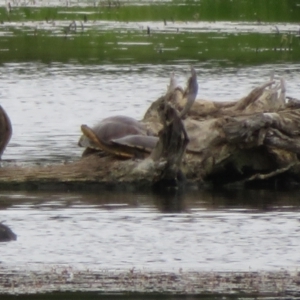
x=152, y=32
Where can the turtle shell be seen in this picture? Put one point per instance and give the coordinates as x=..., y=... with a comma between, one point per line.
x=140, y=142
x=116, y=135
x=113, y=128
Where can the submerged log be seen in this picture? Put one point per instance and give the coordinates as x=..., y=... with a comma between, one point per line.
x=256, y=138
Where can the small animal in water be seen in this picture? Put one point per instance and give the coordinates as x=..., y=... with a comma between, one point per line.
x=6, y=234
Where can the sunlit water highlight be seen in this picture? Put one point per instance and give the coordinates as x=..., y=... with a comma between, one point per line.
x=239, y=27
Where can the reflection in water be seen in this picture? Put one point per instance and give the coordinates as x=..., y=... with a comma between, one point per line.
x=170, y=201
x=261, y=200
x=195, y=230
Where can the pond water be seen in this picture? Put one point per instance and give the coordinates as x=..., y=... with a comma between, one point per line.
x=55, y=78
x=201, y=230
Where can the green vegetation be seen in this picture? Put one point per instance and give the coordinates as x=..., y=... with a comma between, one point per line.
x=178, y=10
x=136, y=47
x=52, y=37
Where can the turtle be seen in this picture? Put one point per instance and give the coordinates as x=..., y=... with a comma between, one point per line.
x=126, y=137
x=114, y=127
x=133, y=145
x=117, y=135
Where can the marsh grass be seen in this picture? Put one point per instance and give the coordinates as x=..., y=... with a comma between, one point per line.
x=177, y=10
x=109, y=46
x=176, y=32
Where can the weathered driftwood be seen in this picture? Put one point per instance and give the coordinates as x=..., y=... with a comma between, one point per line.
x=256, y=138
x=173, y=140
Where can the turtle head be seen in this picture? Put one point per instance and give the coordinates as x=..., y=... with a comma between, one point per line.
x=190, y=92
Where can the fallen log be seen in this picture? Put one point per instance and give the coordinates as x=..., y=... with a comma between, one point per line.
x=256, y=138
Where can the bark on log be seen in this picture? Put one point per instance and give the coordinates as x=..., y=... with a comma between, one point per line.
x=171, y=146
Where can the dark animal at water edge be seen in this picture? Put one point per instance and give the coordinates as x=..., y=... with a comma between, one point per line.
x=5, y=130
x=6, y=234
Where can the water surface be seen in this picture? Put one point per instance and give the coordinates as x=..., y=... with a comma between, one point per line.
x=201, y=231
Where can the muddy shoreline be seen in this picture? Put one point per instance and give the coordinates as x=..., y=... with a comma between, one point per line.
x=67, y=279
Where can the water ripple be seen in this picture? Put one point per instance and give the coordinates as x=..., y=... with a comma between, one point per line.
x=122, y=235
